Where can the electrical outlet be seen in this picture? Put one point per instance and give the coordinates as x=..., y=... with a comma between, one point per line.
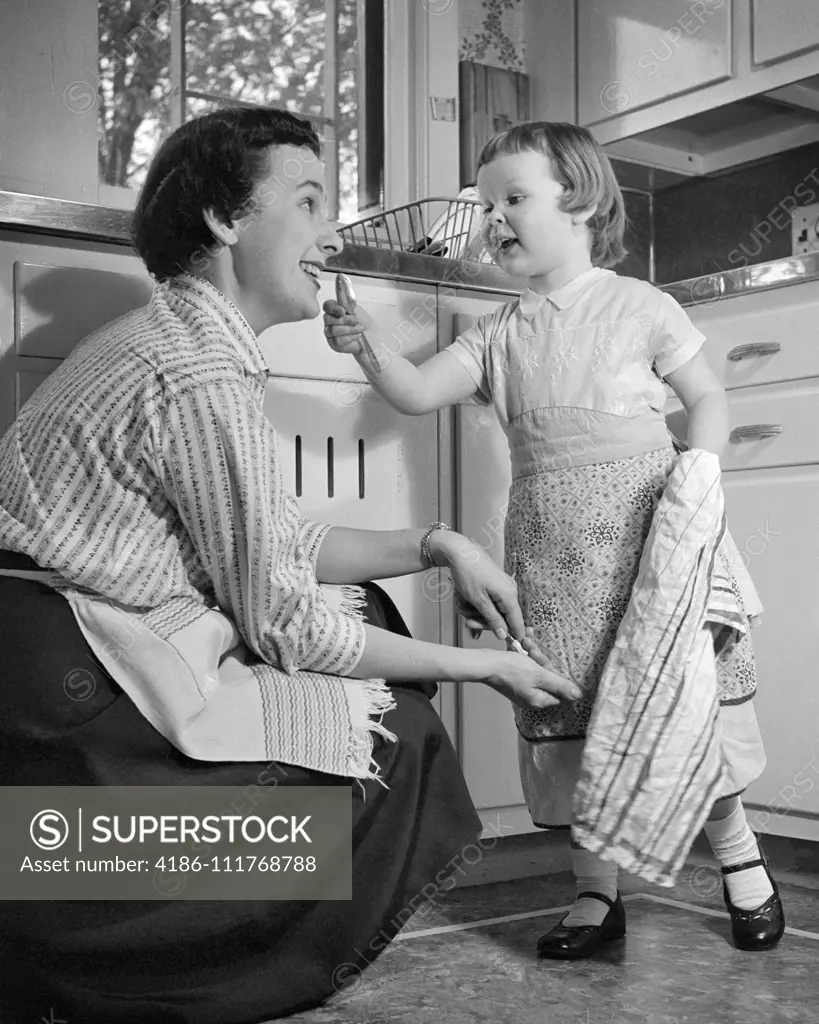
x=805, y=229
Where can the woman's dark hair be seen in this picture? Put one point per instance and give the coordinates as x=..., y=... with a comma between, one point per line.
x=212, y=162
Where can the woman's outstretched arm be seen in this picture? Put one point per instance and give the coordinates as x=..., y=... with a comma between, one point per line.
x=522, y=680
x=352, y=556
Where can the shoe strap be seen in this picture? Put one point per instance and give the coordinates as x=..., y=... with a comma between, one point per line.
x=596, y=896
x=758, y=863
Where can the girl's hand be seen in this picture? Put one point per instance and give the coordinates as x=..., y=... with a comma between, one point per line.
x=343, y=331
x=483, y=587
x=527, y=684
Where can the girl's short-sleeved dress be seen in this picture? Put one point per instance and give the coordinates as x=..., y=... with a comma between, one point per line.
x=576, y=379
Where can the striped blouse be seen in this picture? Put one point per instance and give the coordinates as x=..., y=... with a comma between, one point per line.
x=144, y=470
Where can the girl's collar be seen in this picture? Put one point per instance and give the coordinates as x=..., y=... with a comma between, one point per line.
x=562, y=298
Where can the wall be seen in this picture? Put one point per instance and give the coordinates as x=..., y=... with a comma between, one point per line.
x=735, y=220
x=532, y=36
x=48, y=126
x=638, y=237
x=492, y=32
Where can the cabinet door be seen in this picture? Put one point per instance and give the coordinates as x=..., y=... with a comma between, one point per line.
x=488, y=737
x=352, y=461
x=52, y=294
x=762, y=337
x=634, y=53
x=784, y=28
x=772, y=517
x=772, y=425
x=349, y=458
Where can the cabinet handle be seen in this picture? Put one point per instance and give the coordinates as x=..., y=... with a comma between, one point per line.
x=756, y=348
x=754, y=432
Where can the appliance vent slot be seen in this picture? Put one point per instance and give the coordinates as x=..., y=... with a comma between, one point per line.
x=361, y=467
x=330, y=469
x=298, y=465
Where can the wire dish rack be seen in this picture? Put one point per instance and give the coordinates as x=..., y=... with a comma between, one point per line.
x=430, y=227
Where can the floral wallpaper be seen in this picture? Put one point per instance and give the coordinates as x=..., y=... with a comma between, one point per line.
x=492, y=33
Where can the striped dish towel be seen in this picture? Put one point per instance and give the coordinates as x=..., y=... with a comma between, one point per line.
x=652, y=762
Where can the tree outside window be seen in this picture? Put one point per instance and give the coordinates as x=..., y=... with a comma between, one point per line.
x=164, y=61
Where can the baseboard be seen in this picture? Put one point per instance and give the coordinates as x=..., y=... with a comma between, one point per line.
x=519, y=856
x=792, y=860
x=547, y=853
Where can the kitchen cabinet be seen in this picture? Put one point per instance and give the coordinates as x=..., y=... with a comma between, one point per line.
x=487, y=736
x=762, y=338
x=771, y=486
x=784, y=29
x=349, y=458
x=51, y=296
x=635, y=53
x=772, y=517
x=696, y=88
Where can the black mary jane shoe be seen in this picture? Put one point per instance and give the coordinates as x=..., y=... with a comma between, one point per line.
x=570, y=943
x=760, y=929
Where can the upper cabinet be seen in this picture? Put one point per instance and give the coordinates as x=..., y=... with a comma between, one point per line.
x=695, y=88
x=634, y=53
x=784, y=28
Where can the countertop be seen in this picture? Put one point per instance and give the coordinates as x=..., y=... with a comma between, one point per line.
x=59, y=218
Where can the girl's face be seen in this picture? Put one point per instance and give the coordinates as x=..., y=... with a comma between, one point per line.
x=524, y=228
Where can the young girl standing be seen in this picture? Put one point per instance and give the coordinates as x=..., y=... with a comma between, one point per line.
x=575, y=370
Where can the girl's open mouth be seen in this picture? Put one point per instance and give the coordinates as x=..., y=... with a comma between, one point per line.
x=505, y=245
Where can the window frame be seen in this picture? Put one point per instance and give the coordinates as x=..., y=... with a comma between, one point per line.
x=371, y=80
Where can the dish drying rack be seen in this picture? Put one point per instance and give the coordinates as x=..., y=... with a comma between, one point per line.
x=430, y=227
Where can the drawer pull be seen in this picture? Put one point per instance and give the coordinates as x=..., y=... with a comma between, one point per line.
x=754, y=432
x=756, y=348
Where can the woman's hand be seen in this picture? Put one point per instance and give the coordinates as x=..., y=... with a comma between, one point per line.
x=343, y=330
x=483, y=587
x=526, y=683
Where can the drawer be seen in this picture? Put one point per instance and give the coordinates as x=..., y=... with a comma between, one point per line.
x=29, y=377
x=774, y=425
x=56, y=307
x=406, y=313
x=763, y=338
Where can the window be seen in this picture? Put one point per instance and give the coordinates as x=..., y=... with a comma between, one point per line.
x=163, y=62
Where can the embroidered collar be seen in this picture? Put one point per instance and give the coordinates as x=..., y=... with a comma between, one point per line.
x=207, y=298
x=562, y=298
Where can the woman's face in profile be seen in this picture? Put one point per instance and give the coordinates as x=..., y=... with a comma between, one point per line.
x=283, y=244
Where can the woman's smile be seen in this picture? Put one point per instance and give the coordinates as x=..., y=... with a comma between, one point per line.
x=312, y=270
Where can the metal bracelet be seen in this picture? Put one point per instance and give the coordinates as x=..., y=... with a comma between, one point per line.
x=426, y=556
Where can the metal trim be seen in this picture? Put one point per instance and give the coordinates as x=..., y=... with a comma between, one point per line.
x=710, y=289
x=64, y=219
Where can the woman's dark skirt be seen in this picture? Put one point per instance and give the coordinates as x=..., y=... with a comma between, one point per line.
x=204, y=962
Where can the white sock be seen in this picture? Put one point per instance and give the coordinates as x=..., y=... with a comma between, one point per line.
x=591, y=875
x=733, y=843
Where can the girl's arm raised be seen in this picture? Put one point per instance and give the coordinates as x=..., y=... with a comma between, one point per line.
x=414, y=390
